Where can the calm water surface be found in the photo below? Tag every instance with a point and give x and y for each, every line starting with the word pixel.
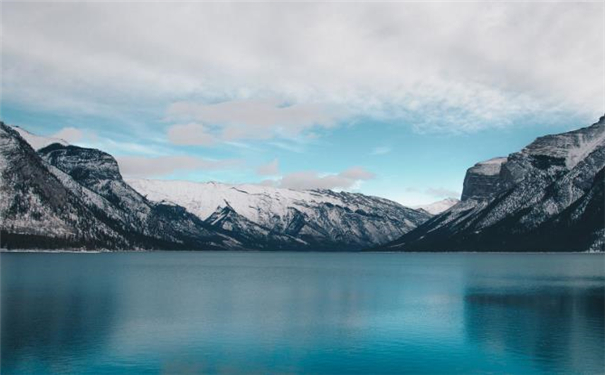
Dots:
pixel 302 313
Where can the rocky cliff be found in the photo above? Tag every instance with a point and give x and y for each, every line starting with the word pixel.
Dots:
pixel 546 197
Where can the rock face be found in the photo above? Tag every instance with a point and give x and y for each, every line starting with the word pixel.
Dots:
pixel 126 210
pixel 71 197
pixel 547 197
pixel 284 218
pixel 483 179
pixel 38 209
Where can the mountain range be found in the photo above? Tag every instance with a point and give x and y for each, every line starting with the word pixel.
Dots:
pixel 64 196
pixel 546 197
pixel 284 218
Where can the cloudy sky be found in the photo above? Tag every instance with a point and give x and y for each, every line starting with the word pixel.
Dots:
pixel 388 99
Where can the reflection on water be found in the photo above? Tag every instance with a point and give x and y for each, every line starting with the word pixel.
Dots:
pixel 43 310
pixel 292 313
pixel 553 326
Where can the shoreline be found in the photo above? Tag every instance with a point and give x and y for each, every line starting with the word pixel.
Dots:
pixel 27 251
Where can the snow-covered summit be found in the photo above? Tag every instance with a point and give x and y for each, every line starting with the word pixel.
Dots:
pixel 322 217
pixel 255 202
pixel 488 167
pixel 482 179
pixel 439 206
pixel 37 141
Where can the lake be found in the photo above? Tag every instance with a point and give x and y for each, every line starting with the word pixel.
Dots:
pixel 302 313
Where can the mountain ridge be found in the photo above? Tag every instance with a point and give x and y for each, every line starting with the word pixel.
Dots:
pixel 532 200
pixel 438 207
pixel 110 214
pixel 546 197
pixel 320 218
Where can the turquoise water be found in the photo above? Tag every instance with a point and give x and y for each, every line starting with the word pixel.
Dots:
pixel 302 313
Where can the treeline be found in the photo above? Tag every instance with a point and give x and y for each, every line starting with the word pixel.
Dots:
pixel 13 241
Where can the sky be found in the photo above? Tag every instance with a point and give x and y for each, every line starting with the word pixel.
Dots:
pixel 389 99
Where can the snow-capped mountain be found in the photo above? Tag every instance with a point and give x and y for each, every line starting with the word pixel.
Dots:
pixel 64 196
pixel 317 219
pixel 37 208
pixel 439 206
pixel 128 211
pixel 547 197
pixel 71 197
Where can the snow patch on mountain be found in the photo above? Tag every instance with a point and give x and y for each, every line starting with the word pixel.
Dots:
pixel 584 148
pixel 572 147
pixel 489 167
pixel 255 202
pixel 37 141
pixel 439 206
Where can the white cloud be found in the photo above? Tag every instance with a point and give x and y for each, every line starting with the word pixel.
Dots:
pixel 71 135
pixel 124 148
pixel 442 192
pixel 288 145
pixel 248 119
pixel 347 179
pixel 458 66
pixel 357 173
pixel 269 182
pixel 90 139
pixel 141 166
pixel 191 134
pixel 270 169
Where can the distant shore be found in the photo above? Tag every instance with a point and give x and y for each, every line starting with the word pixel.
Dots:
pixel 71 251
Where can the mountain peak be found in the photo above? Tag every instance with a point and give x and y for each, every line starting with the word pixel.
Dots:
pixel 438 207
pixel 483 179
pixel 87 165
pixel 320 218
